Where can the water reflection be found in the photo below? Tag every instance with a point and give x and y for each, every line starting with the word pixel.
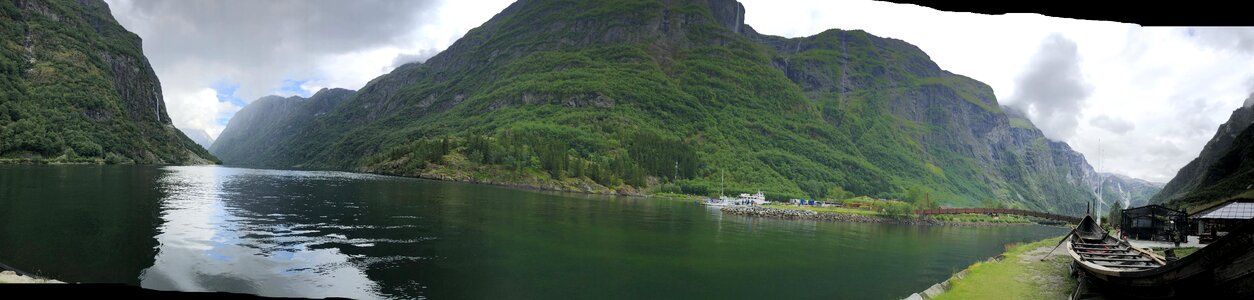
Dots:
pixel 262 232
pixel 79 223
pixel 323 234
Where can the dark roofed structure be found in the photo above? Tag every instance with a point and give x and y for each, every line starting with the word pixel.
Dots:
pixel 1154 223
pixel 1215 222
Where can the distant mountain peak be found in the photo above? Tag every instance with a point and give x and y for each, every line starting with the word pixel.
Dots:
pixel 254 128
pixel 200 136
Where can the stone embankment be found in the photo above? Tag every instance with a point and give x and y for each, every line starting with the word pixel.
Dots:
pixel 801 214
pixel 798 214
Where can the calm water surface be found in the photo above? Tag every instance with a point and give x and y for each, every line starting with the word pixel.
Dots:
pixel 320 234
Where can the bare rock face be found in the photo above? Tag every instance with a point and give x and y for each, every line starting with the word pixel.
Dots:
pixel 729 14
pixel 137 86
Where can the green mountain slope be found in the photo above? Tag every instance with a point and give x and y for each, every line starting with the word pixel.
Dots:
pixel 673 96
pixel 76 88
pixel 1222 171
pixel 254 128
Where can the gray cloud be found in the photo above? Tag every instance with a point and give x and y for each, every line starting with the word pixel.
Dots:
pixel 1200 117
pixel 261 43
pixel 1052 90
pixel 1224 38
pixel 1112 124
pixel 405 58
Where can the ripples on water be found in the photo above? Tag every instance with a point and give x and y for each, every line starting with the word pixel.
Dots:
pixel 323 234
pixel 269 232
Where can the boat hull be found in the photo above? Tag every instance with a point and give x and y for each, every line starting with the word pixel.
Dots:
pixel 1222 270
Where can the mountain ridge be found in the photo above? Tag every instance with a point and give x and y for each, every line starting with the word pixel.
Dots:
pixel 653 96
pixel 253 128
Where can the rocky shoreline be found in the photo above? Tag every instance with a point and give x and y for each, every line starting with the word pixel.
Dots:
pixel 797 214
pixel 13 277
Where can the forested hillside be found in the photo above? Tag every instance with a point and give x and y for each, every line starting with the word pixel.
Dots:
pixel 677 96
pixel 75 87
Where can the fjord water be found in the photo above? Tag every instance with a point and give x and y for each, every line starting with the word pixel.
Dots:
pixel 320 234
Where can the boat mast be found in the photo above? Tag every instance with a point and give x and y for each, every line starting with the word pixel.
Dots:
pixel 1101 186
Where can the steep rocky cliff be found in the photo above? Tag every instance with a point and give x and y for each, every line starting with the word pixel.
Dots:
pixel 77 88
pixel 1222 170
pixel 255 127
pixel 616 96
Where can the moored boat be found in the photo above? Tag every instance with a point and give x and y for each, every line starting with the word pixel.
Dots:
pixel 1222 270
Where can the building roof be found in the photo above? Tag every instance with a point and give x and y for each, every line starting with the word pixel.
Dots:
pixel 1153 210
pixel 1230 210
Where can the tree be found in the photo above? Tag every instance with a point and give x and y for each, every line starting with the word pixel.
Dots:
pixel 1112 217
pixel 914 194
pixel 897 209
pixel 927 202
pixel 836 192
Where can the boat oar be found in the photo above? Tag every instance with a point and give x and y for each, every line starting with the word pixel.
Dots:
pixel 1064 239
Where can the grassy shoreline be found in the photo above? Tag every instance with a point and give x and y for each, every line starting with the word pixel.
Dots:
pixel 1026 271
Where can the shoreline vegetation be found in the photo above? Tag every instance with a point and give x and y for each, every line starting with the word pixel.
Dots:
pixel 860 209
pixel 876 210
pixel 78 160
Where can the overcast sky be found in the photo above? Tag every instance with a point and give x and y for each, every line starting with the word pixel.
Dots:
pixel 1152 96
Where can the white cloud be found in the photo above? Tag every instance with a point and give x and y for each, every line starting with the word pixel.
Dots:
pixel 1112 124
pixel 199 110
pixel 1051 90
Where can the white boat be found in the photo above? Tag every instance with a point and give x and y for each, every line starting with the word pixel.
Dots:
pixel 720 201
pixel 744 199
pixel 754 199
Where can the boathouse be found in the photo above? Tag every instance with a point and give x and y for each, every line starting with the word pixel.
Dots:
pixel 1216 221
pixel 1153 223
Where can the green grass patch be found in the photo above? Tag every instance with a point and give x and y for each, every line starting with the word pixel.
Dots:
pixel 982 218
pixel 1180 252
pixel 675 196
pixel 1021 275
pixel 1021 123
